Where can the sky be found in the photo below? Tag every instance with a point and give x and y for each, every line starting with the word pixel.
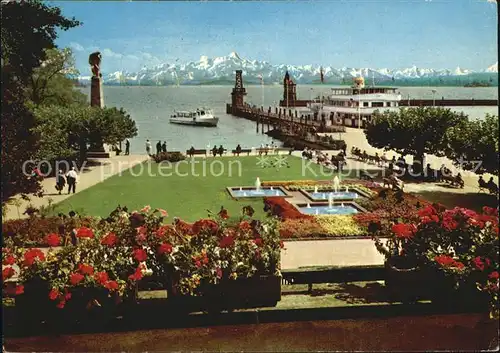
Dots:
pixel 439 34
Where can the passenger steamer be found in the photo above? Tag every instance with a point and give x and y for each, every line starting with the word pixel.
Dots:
pixel 200 117
pixel 354 106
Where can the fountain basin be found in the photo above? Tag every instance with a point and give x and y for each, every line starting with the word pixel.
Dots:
pixel 322 195
pixel 337 209
pixel 240 192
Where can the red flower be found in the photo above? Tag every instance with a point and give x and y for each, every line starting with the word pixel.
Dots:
pixel 282 245
pixel 226 242
pixel 490 211
pixel 184 227
pixel 427 211
pixel 223 214
pixel 19 290
pixel 53 239
pixel 475 222
pixel 205 260
pixel 9 260
pixel 85 269
pixel 110 239
pixel 219 272
pixel 403 231
pixel 31 255
pixel 165 248
pixel 140 255
pixel 75 278
pixel 163 212
pixel 448 261
pixel 479 264
pixel 493 275
pixel 84 232
pixel 101 277
pixel 258 242
pixel 450 224
pixel 7 273
pixel 197 263
pixel 146 209
pixel 53 294
pixel 141 230
pixel 61 304
pixel 137 274
pixel 245 226
pixel 67 296
pixel 111 285
pixel 205 225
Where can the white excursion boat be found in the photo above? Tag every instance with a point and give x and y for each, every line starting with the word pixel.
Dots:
pixel 354 106
pixel 200 117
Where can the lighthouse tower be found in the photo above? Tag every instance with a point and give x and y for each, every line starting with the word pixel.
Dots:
pixel 239 92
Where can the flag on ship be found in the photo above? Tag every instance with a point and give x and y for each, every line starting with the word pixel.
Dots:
pixel 261 79
pixel 321 75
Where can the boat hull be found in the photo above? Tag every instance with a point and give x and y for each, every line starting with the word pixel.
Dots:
pixel 206 122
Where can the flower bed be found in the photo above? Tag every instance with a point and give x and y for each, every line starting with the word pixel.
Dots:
pixel 114 254
pixel 454 252
pixel 286 183
pixel 169 157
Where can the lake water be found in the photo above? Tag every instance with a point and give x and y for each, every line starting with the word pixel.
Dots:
pixel 151 107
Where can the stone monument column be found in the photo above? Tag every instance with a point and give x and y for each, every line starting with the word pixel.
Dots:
pixel 96 100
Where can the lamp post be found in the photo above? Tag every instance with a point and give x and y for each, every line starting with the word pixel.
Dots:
pixel 434 97
pixel 359 109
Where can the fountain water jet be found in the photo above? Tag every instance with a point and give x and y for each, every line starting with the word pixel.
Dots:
pixel 336 183
pixel 257 184
pixel 316 189
pixel 317 212
pixel 330 200
pixel 308 205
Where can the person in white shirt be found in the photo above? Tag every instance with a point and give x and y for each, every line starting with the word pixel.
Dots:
pixel 71 178
pixel 148 147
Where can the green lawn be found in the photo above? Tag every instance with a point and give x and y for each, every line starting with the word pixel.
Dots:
pixel 190 190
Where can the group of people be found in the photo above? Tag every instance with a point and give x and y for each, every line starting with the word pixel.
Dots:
pixel 71 178
pixel 490 185
pixel 323 158
pixel 160 147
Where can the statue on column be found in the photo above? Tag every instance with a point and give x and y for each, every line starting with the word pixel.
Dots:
pixel 95 64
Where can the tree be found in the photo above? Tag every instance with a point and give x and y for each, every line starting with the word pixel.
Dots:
pixel 63 130
pixel 473 145
pixel 53 81
pixel 413 131
pixel 28 28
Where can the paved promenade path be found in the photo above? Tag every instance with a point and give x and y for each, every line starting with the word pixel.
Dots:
pixel 91 175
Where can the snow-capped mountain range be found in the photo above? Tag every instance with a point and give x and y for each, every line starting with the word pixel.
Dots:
pixel 222 70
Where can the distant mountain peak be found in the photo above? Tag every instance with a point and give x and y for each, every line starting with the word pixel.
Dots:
pixel 222 70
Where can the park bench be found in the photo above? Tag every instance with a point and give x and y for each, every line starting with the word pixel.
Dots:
pixel 192 153
pixel 283 149
pixel 247 151
pixel 262 150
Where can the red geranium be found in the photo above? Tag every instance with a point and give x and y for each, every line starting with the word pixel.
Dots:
pixel 137 276
pixel 111 285
pixel 75 278
pixel 61 304
pixel 226 242
pixel 7 273
pixel 258 241
pixel 33 254
pixel 402 230
pixel 84 232
pixel 101 277
pixel 480 264
pixel 427 211
pixel 19 290
pixel 85 269
pixel 53 294
pixel 448 261
pixel 245 226
pixel 9 260
pixel 165 248
pixel 140 255
pixel 493 275
pixel 223 213
pixel 53 239
pixel 205 225
pixel 110 239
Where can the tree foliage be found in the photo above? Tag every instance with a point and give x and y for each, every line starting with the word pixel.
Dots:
pixel 28 28
pixel 53 81
pixel 474 144
pixel 63 130
pixel 413 131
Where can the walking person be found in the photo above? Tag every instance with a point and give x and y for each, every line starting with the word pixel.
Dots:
pixel 148 147
pixel 71 178
pixel 60 181
pixel 127 147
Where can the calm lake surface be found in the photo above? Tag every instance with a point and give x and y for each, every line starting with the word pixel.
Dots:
pixel 151 107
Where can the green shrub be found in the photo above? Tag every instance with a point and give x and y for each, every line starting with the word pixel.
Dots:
pixel 169 157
